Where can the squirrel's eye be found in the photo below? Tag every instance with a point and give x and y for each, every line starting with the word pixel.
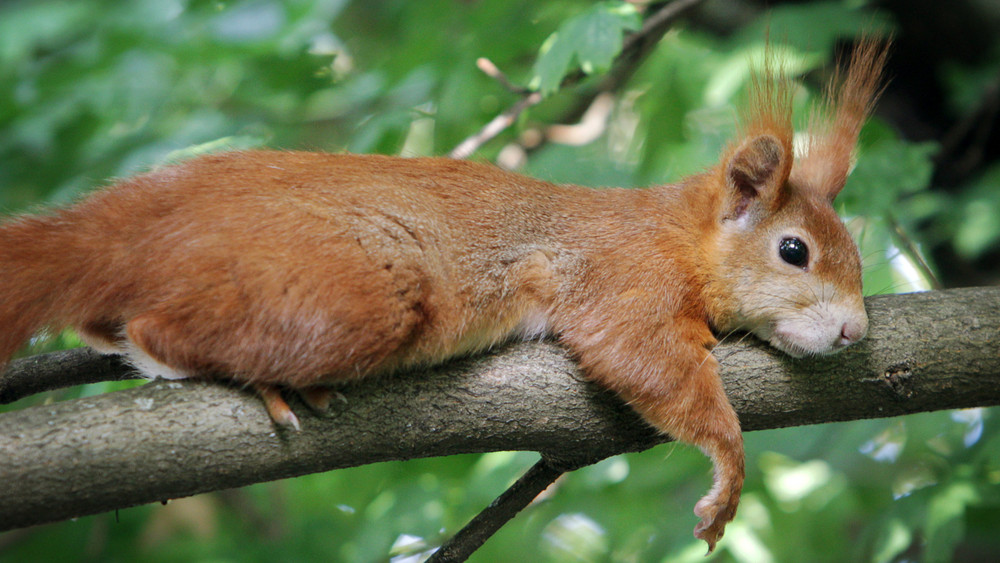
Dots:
pixel 794 251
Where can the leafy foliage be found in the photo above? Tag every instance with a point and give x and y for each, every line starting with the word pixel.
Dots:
pixel 593 38
pixel 93 89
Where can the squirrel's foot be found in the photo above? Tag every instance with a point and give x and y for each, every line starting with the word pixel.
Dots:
pixel 276 406
pixel 317 398
pixel 715 509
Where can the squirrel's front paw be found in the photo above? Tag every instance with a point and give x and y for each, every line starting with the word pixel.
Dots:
pixel 715 513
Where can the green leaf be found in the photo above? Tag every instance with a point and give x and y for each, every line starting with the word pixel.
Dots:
pixel 593 38
pixel 946 520
pixel 885 171
pixel 974 223
pixel 893 539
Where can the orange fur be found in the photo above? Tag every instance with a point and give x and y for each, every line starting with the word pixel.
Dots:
pixel 305 269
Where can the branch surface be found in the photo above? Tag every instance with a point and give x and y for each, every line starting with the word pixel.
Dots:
pixel 163 440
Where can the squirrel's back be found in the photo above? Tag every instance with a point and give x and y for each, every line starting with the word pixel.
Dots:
pixel 307 265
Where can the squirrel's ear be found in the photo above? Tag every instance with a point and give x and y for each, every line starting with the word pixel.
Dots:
pixel 755 174
pixel 834 128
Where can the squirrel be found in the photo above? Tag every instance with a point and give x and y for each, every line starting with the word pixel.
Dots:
pixel 300 270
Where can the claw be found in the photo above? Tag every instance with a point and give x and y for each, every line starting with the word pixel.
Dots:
pixel 715 514
pixel 317 398
pixel 276 406
pixel 706 530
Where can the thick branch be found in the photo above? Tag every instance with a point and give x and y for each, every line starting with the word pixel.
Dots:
pixel 165 440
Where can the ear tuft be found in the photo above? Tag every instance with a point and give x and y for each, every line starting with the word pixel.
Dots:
pixel 755 174
pixel 835 125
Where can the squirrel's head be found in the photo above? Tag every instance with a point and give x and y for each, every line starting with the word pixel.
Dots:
pixel 785 265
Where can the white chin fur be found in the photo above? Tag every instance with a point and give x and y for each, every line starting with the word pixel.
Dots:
pixel 792 346
pixel 797 349
pixel 810 336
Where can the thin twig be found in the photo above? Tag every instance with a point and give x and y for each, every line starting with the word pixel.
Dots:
pixel 635 47
pixel 490 69
pixel 495 126
pixel 658 22
pixel 499 512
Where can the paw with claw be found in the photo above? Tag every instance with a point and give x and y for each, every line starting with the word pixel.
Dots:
pixel 715 510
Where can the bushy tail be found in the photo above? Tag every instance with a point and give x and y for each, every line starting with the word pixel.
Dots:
pixel 39 264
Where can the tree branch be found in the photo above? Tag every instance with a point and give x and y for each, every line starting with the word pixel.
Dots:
pixel 926 351
pixel 47 372
pixel 519 495
pixel 635 47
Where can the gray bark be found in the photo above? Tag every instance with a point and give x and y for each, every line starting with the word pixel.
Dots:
pixel 166 440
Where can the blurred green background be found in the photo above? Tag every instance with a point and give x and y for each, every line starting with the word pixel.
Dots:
pixel 91 90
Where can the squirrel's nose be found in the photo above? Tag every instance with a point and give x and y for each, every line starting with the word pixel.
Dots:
pixel 851 333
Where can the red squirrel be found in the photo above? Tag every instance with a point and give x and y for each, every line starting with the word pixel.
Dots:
pixel 301 270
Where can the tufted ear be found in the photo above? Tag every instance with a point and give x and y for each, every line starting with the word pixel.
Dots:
pixel 834 128
pixel 756 173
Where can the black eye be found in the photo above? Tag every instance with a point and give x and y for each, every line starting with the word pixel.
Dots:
pixel 794 251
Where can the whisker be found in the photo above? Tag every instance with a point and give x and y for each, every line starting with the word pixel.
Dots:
pixel 723 338
pixel 746 335
pixel 891 288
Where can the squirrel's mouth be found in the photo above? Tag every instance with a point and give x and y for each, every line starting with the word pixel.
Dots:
pixel 816 330
pixel 798 349
pixel 799 341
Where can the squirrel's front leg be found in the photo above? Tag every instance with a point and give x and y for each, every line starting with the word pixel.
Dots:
pixel 670 377
pixel 694 409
